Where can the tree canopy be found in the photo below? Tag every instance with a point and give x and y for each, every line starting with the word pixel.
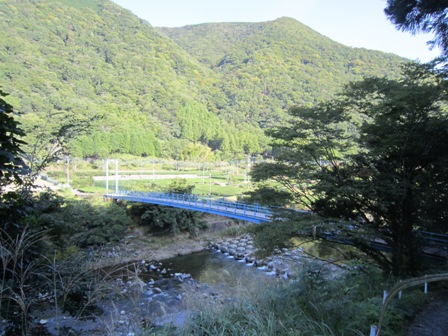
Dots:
pixel 371 165
pixel 12 166
pixel 427 16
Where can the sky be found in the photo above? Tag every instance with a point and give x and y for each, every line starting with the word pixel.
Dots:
pixel 354 23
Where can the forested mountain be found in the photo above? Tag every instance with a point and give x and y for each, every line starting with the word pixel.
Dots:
pixel 190 92
pixel 270 66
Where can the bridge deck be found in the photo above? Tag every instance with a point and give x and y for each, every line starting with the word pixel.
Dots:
pixel 237 210
pixel 435 244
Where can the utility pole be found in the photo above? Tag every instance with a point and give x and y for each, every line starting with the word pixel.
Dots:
pixel 116 176
pixel 153 171
pixel 210 175
pixel 248 168
pixel 67 170
pixel 107 175
pixel 203 173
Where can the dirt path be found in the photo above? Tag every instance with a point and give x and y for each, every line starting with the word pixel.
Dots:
pixel 433 319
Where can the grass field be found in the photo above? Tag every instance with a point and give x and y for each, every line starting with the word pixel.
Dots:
pixel 222 180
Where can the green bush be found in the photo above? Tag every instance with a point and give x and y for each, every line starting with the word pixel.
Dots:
pixel 85 223
pixel 167 220
pixel 180 186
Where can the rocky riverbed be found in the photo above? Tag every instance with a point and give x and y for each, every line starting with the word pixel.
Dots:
pixel 151 293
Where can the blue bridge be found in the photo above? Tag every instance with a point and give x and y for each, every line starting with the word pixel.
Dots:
pixel 222 207
pixel 436 244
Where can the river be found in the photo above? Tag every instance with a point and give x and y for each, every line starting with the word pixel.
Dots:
pixel 160 293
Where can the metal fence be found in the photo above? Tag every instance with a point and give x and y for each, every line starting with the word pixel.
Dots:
pixel 238 210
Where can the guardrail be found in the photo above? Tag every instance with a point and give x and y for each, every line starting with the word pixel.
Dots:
pixel 397 290
pixel 436 239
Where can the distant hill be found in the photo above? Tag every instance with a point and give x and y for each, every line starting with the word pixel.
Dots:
pixel 269 66
pixel 189 92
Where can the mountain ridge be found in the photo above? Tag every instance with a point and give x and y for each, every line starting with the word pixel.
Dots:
pixel 283 49
pixel 167 92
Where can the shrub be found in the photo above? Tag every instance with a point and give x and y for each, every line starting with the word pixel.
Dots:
pixel 167 220
pixel 82 223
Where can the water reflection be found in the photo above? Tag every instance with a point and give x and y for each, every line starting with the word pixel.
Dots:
pixel 323 249
pixel 211 267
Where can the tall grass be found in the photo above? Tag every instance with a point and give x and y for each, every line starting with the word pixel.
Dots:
pixel 18 270
pixel 30 280
pixel 269 311
pixel 317 304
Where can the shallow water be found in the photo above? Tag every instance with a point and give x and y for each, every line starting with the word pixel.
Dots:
pixel 213 267
pixel 179 283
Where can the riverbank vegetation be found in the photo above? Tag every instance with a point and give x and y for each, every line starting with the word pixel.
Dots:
pixel 318 304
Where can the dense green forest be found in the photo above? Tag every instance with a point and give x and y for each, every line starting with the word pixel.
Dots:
pixel 198 92
pixel 268 67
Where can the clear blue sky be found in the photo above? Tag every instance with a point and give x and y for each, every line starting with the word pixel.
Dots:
pixel 354 23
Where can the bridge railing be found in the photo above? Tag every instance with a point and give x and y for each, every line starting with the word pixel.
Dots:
pixel 435 239
pixel 196 201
